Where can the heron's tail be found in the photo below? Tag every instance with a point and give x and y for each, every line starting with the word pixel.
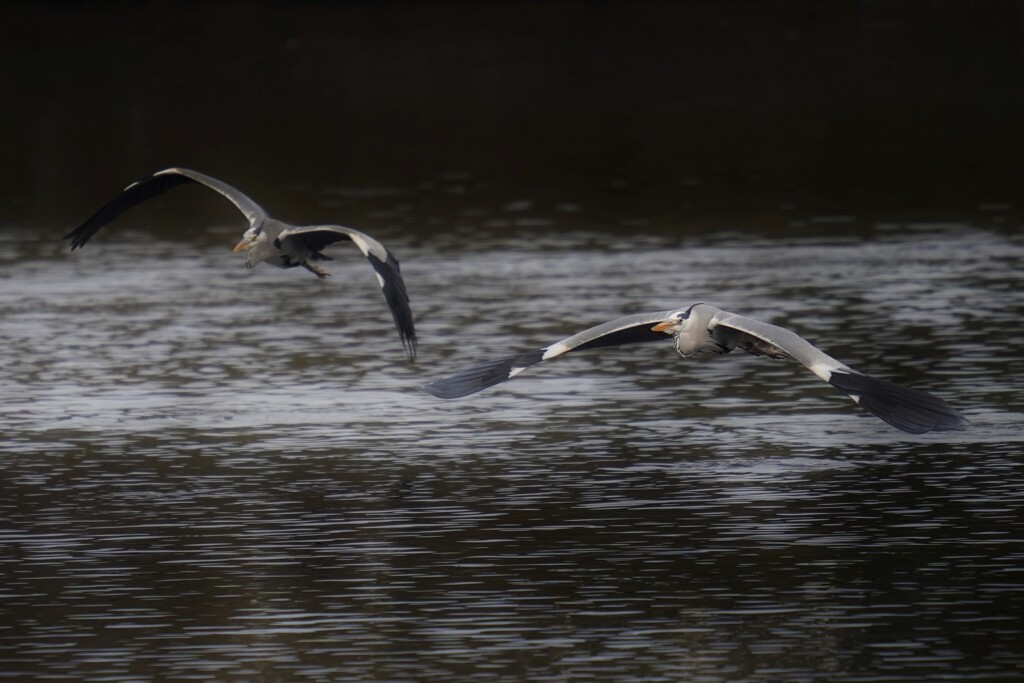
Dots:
pixel 911 410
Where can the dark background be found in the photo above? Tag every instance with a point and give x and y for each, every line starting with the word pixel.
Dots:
pixel 686 114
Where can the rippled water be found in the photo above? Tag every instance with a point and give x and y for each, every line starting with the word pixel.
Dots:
pixel 210 473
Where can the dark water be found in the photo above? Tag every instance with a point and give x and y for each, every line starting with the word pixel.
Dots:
pixel 212 474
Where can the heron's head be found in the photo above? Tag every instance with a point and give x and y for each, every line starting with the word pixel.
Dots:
pixel 252 238
pixel 249 239
pixel 675 322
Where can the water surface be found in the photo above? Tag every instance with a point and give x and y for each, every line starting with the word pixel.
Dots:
pixel 211 473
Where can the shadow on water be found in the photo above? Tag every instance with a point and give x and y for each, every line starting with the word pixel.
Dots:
pixel 195 484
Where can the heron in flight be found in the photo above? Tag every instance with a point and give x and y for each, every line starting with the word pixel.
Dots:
pixel 269 240
pixel 703 329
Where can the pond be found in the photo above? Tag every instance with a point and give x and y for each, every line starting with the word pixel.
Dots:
pixel 213 473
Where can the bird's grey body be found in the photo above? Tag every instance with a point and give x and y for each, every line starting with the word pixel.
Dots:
pixel 268 240
pixel 711 330
pixel 704 329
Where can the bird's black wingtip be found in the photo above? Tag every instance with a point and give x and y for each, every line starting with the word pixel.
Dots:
pixel 437 390
pixel 452 387
pixel 134 194
pixel 409 344
pixel 398 301
pixel 480 377
pixel 910 410
pixel 77 240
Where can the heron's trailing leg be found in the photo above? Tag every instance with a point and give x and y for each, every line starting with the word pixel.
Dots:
pixel 316 270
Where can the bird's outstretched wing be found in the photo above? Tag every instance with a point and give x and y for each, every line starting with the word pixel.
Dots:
pixel 628 330
pixel 911 410
pixel 384 263
pixel 156 184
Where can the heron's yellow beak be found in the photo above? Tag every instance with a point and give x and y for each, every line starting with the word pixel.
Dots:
pixel 662 327
pixel 244 244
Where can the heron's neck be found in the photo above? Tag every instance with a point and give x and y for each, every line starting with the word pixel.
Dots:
pixel 695 337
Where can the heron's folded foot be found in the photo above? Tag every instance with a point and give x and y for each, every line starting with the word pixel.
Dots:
pixel 316 270
pixel 762 348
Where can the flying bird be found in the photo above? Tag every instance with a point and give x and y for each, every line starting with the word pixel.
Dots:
pixel 268 240
pixel 704 329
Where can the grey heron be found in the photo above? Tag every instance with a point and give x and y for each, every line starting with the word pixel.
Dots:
pixel 269 240
pixel 704 329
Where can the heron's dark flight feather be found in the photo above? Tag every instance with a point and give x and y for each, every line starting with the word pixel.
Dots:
pixel 397 298
pixel 131 196
pixel 911 410
pixel 472 380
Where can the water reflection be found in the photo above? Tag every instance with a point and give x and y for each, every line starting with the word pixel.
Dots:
pixel 196 484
